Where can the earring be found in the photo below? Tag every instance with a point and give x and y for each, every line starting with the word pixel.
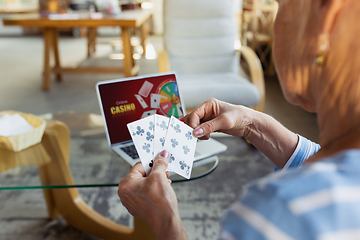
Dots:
pixel 319 60
pixel 323 43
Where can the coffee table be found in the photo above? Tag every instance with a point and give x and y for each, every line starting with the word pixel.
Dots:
pixel 63 167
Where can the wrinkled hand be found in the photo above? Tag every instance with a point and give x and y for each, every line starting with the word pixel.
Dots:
pixel 152 198
pixel 217 116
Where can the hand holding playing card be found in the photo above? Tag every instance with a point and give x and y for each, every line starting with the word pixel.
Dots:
pixel 152 198
pixel 156 133
pixel 217 116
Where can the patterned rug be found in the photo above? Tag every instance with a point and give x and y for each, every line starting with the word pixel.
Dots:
pixel 202 202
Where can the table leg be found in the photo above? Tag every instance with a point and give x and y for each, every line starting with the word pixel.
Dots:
pixel 68 201
pixel 127 51
pixel 144 35
pixel 47 48
pixel 55 37
pixel 91 40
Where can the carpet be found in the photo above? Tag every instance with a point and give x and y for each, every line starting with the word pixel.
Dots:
pixel 202 202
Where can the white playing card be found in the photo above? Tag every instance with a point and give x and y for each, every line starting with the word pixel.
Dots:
pixel 161 127
pixel 146 88
pixel 180 110
pixel 155 100
pixel 148 113
pixel 142 134
pixel 181 144
pixel 141 101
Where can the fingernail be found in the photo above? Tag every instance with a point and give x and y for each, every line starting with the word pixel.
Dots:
pixel 198 132
pixel 164 154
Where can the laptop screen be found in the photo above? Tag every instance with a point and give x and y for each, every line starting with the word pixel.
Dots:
pixel 129 99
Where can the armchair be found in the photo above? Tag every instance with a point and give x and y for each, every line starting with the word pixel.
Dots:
pixel 199 39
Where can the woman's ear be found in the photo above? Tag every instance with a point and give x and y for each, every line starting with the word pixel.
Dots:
pixel 328 11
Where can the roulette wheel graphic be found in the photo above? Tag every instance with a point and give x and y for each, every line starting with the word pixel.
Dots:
pixel 170 104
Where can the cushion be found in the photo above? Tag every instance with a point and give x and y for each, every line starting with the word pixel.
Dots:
pixel 200 27
pixel 228 87
pixel 188 47
pixel 205 64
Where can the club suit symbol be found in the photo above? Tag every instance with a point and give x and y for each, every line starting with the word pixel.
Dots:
pixel 149 136
pixel 177 128
pixel 163 125
pixel 172 158
pixel 139 131
pixel 151 127
pixel 146 147
pixel 174 143
pixel 162 140
pixel 188 135
pixel 186 149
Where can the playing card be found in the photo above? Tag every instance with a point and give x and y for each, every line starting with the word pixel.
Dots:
pixel 142 134
pixel 180 110
pixel 155 100
pixel 146 88
pixel 181 144
pixel 161 127
pixel 148 113
pixel 141 101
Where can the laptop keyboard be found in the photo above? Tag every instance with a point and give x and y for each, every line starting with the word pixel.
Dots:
pixel 131 151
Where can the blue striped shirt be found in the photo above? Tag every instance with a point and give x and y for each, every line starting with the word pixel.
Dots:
pixel 316 201
pixel 304 150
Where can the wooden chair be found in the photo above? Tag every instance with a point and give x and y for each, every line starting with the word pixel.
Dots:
pixel 199 38
pixel 257 30
pixel 52 158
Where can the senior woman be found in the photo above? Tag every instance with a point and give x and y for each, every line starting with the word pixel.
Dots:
pixel 317 57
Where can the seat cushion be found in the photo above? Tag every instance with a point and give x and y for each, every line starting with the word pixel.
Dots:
pixel 200 27
pixel 228 87
pixel 205 64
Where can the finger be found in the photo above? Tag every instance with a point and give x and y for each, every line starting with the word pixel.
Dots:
pixel 201 113
pixel 161 162
pixel 169 180
pixel 168 174
pixel 138 169
pixel 204 129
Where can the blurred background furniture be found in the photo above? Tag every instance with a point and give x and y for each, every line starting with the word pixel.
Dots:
pixel 257 30
pixel 126 21
pixel 9 7
pixel 137 35
pixel 199 39
pixel 19 6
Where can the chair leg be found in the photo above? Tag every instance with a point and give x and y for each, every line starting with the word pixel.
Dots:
pixel 256 74
pixel 68 201
pixel 53 212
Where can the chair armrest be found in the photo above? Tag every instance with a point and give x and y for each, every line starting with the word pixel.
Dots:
pixel 256 74
pixel 163 62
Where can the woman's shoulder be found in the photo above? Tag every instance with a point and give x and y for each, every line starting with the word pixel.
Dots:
pixel 340 169
pixel 300 203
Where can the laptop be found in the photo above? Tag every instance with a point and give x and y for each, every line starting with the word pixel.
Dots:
pixel 129 99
